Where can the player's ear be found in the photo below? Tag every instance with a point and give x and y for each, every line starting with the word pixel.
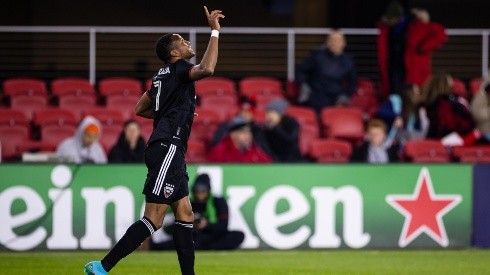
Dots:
pixel 174 53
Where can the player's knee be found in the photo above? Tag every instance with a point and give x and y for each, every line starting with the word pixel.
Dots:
pixel 185 215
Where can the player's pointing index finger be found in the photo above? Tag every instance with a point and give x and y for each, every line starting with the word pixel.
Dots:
pixel 206 10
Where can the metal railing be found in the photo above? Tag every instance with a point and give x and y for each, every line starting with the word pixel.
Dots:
pixel 192 32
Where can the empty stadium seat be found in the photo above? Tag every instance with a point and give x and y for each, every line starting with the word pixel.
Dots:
pixel 72 86
pixel 473 154
pixel 307 133
pixel 146 126
pixel 366 87
pixel 14 130
pixel 303 115
pixel 251 86
pixel 196 152
pixel 55 116
pixel 215 86
pixel 55 125
pixel 343 123
pixel 77 104
pixel 24 86
pixel 120 85
pixel 205 124
pixel 225 106
pixel 366 103
pixel 28 104
pixel 330 151
pixel 106 116
pixel 125 104
pixel 426 151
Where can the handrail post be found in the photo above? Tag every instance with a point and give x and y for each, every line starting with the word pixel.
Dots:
pixel 291 54
pixel 92 56
pixel 484 55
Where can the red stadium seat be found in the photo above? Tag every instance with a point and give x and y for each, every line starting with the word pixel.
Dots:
pixel 120 86
pixel 72 86
pixel 106 116
pixel 24 86
pixel 125 104
pixel 331 151
pixel 14 130
pixel 205 125
pixel 77 104
pixel 146 126
pixel 196 152
pixel 109 136
pixel 308 133
pixel 219 86
pixel 475 84
pixel 148 84
pixel 473 154
pixel 13 117
pixel 55 125
pixel 28 104
pixel 426 151
pixel 55 116
pixel 225 106
pixel 367 104
pixel 251 86
pixel 459 88
pixel 343 123
pixel 303 115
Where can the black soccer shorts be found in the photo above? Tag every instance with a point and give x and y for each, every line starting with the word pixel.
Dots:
pixel 167 180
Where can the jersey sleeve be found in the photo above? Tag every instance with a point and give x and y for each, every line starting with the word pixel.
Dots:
pixel 183 69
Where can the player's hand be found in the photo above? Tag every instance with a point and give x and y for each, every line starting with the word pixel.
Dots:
pixel 213 18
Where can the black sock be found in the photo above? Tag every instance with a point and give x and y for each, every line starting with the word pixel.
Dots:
pixel 184 246
pixel 131 240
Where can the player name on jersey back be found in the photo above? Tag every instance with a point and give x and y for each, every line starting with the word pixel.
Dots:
pixel 165 70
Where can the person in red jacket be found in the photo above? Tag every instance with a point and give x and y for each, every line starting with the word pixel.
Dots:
pixel 238 146
pixel 405 46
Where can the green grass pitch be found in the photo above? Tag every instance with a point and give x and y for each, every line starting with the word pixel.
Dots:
pixel 261 262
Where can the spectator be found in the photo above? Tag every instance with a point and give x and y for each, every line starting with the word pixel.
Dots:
pixel 282 132
pixel 83 147
pixel 377 148
pixel 130 146
pixel 405 44
pixel 480 108
pixel 210 220
pixel 247 112
pixel 328 75
pixel 449 115
pixel 401 113
pixel 238 146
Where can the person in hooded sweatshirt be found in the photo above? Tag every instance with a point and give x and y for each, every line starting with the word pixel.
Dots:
pixel 130 147
pixel 83 147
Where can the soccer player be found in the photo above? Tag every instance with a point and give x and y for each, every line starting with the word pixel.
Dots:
pixel 170 103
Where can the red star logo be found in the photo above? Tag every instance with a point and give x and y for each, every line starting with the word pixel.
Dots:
pixel 423 211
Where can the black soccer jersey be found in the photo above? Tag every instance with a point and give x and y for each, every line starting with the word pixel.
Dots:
pixel 174 101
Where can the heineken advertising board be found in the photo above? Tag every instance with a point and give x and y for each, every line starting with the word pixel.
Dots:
pixel 60 207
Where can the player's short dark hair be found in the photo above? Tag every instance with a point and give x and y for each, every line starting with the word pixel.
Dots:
pixel 163 47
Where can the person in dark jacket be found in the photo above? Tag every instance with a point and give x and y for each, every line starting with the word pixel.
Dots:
pixel 130 146
pixel 282 132
pixel 210 220
pixel 328 75
pixel 377 148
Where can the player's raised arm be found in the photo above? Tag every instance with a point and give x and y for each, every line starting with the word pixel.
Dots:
pixel 208 61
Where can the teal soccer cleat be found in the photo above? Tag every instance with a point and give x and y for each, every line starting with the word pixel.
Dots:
pixel 94 268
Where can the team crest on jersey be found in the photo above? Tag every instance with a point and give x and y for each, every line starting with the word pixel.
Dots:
pixel 168 190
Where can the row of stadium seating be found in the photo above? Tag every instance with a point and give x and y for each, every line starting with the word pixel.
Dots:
pixel 31 122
